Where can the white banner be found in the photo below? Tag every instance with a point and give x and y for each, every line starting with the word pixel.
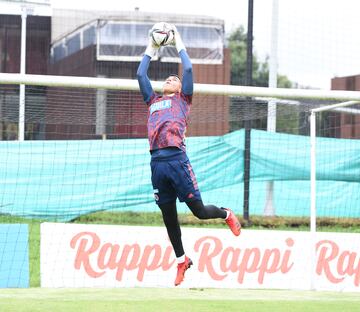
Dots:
pixel 75 255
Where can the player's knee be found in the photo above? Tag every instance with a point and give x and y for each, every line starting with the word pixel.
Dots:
pixel 201 214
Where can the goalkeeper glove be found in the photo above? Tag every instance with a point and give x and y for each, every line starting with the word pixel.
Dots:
pixel 151 48
pixel 177 40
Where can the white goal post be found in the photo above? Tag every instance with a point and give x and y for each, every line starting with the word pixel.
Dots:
pixel 313 155
pixel 313 174
pixel 209 89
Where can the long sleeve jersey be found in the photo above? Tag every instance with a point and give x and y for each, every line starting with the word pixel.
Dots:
pixel 167 115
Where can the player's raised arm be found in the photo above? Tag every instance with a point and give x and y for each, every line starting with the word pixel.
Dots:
pixel 187 75
pixel 142 77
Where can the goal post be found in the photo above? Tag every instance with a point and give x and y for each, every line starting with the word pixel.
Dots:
pixel 313 154
pixel 313 127
pixel 77 108
pixel 209 89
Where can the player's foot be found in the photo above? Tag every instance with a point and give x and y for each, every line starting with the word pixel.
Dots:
pixel 233 222
pixel 181 268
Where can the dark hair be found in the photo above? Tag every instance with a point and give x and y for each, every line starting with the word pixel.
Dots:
pixel 175 75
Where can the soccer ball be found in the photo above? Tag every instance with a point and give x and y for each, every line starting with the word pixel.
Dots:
pixel 162 34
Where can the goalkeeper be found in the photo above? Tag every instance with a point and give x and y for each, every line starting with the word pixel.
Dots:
pixel 171 173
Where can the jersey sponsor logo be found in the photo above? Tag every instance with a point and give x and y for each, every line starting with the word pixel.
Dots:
pixel 156 194
pixel 157 106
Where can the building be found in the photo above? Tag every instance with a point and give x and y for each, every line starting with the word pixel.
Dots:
pixel 109 44
pixel 346 125
pixel 38 38
pixel 103 44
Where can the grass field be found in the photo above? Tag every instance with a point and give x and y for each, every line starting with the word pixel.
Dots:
pixel 170 299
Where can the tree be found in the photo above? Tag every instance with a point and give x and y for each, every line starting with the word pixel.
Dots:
pixel 237 45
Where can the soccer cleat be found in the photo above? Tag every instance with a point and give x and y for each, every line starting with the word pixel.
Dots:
pixel 181 268
pixel 233 222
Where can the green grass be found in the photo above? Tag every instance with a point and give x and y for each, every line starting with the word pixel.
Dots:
pixel 155 219
pixel 170 299
pixel 256 222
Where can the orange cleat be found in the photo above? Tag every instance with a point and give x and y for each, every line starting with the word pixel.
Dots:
pixel 181 269
pixel 233 222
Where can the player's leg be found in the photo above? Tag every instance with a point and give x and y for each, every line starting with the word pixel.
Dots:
pixel 203 212
pixel 171 222
pixel 165 197
pixel 186 186
pixel 170 217
pixel 211 212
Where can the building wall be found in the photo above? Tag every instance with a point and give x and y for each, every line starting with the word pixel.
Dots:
pixel 10 30
pixel 210 113
pixel 126 113
pixel 37 44
pixel 37 55
pixel 349 123
pixel 81 63
pixel 71 114
pixel 350 126
pixel 349 83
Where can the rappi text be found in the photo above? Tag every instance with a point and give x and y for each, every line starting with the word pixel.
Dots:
pixel 96 258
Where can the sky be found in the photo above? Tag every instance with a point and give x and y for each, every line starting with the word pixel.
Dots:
pixel 317 39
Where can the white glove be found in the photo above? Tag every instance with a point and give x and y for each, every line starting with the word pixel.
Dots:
pixel 151 48
pixel 177 40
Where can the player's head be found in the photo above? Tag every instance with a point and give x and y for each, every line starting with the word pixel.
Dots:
pixel 172 85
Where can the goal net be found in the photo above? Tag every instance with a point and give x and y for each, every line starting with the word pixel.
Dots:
pixel 86 148
pixel 85 151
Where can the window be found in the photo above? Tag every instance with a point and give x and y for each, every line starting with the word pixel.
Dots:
pixel 89 36
pixel 73 44
pixel 59 52
pixel 127 42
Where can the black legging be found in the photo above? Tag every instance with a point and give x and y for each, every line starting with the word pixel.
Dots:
pixel 171 221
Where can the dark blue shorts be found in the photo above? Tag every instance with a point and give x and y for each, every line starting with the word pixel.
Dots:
pixel 172 177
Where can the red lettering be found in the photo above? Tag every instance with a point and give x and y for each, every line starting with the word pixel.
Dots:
pixel 83 253
pixel 285 267
pixel 268 266
pixel 95 257
pixel 89 252
pixel 249 263
pixel 346 262
pixel 124 264
pixel 106 256
pixel 229 259
pixel 206 257
pixel 166 264
pixel 326 255
pixel 233 254
pixel 144 262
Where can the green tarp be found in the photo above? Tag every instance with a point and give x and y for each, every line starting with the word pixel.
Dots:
pixel 60 180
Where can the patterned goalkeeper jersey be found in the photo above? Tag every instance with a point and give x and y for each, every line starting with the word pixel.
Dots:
pixel 167 115
pixel 167 120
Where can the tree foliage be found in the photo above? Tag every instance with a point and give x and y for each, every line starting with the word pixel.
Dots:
pixel 237 43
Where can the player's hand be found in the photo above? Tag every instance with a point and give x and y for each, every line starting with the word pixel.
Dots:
pixel 177 42
pixel 152 47
pixel 173 28
pixel 174 31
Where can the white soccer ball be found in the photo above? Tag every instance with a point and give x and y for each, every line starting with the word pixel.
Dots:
pixel 162 34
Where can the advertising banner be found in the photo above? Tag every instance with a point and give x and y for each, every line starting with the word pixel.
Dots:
pixel 14 256
pixel 75 255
